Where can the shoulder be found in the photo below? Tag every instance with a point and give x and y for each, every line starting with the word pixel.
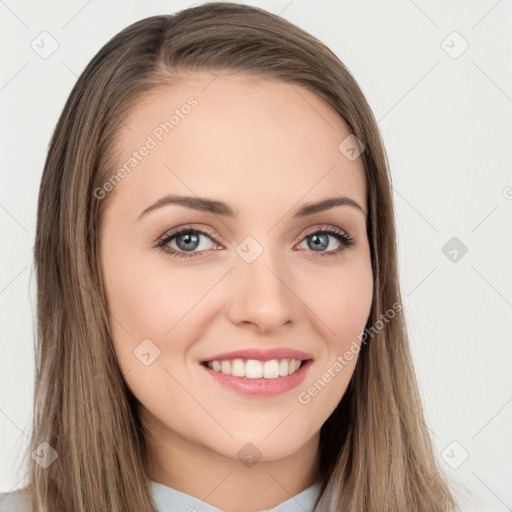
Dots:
pixel 14 501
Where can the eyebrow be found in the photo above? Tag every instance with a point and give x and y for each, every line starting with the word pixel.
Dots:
pixel 220 208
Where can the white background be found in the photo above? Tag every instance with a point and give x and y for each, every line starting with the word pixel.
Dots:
pixel 447 126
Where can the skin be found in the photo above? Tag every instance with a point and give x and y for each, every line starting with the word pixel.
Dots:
pixel 265 148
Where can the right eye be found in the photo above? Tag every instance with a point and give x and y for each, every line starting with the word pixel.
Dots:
pixel 186 241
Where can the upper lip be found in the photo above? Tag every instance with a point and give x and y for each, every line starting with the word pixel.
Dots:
pixel 261 355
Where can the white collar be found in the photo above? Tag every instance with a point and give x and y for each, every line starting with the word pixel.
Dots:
pixel 168 499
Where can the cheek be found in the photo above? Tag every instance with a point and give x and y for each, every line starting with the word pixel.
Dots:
pixel 140 305
pixel 148 301
pixel 341 301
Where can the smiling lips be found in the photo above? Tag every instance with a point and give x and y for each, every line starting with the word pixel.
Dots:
pixel 257 363
pixel 254 369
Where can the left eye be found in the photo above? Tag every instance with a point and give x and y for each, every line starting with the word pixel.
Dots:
pixel 188 240
pixel 320 240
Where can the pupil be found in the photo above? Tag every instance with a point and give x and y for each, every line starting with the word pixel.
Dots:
pixel 188 239
pixel 320 244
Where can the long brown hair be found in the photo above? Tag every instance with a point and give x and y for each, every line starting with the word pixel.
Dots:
pixel 376 451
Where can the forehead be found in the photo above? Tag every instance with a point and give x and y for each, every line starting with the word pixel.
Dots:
pixel 235 137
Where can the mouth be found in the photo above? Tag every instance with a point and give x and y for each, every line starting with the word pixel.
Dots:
pixel 257 378
pixel 258 372
pixel 255 368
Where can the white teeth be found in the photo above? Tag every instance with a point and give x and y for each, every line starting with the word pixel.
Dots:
pixel 255 369
pixel 237 368
pixel 271 369
pixel 225 367
pixel 293 365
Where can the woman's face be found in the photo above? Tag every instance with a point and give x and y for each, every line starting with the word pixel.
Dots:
pixel 260 276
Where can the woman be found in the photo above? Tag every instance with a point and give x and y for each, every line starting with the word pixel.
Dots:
pixel 219 314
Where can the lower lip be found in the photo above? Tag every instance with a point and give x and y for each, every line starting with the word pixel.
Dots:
pixel 261 387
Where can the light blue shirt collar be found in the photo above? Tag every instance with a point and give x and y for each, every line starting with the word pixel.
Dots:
pixel 168 499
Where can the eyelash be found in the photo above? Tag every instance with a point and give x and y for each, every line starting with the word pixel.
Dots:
pixel 345 240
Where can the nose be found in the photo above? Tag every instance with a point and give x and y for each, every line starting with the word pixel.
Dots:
pixel 263 294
